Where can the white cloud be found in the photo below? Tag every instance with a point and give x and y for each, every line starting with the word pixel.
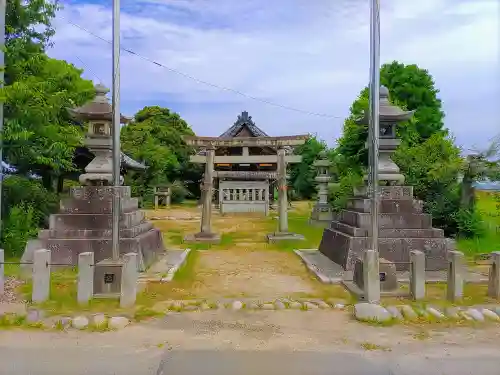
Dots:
pixel 309 55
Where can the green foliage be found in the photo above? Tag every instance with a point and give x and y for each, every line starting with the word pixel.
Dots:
pixel 302 174
pixel 156 137
pixel 19 226
pixel 469 223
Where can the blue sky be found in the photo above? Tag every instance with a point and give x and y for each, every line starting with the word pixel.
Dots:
pixel 309 55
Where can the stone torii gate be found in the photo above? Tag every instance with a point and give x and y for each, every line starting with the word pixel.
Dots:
pixel 281 159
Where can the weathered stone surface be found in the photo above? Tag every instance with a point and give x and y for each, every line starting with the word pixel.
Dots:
pixel 118 322
pixel 475 314
pixel 279 305
pixel 409 313
pixel 403 228
pixel 395 313
pixel 80 322
pixel 237 305
pixel 488 314
pixel 371 312
pixel 295 305
pixel 452 312
pixel 98 320
pixel 435 313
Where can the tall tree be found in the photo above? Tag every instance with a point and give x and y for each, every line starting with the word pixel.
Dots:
pixel 156 137
pixel 39 135
pixel 302 174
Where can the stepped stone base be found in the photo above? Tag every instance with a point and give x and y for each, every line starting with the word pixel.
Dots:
pixel 403 227
pixel 284 236
pixel 84 223
pixel 321 215
pixel 203 237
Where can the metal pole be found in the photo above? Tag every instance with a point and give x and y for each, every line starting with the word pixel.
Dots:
pixel 3 5
pixel 116 130
pixel 374 117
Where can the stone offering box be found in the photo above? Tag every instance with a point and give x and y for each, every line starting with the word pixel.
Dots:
pixel 403 227
pixel 84 224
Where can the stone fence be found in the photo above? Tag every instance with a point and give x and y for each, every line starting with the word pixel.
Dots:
pixel 41 274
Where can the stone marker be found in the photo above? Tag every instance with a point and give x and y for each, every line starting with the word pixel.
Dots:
pixel 455 281
pixel 2 272
pixel 128 293
pixel 371 277
pixel 494 276
pixel 85 287
pixel 371 312
pixel 417 275
pixel 41 275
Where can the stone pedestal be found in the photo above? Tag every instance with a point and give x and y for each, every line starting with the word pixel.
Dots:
pixel 403 227
pixel 322 213
pixel 83 224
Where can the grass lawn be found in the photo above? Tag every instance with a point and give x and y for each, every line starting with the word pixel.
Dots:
pixel 491 215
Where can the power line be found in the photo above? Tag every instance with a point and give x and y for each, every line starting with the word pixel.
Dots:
pixel 188 76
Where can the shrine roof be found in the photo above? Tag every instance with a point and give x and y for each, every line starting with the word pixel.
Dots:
pixel 243 120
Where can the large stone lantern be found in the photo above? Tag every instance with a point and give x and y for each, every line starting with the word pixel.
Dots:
pixel 390 117
pixel 322 212
pixel 98 115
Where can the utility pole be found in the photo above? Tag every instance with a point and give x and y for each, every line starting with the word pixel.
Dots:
pixel 373 129
pixel 3 6
pixel 116 122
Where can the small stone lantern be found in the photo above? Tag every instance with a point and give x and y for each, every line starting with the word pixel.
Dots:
pixel 322 212
pixel 389 117
pixel 98 115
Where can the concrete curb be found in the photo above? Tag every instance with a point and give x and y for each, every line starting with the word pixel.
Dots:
pixel 172 271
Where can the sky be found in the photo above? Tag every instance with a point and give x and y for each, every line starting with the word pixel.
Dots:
pixel 309 57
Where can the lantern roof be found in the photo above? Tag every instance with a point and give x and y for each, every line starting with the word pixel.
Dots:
pixel 387 111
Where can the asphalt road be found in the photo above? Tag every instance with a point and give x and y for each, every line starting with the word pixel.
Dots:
pixel 115 361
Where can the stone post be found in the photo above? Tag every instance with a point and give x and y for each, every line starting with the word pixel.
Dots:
pixel 371 276
pixel 494 277
pixel 417 275
pixel 206 220
pixel 85 287
pixel 169 197
pixel 205 234
pixel 157 199
pixel 282 192
pixel 2 272
pixel 129 280
pixel 41 275
pixel 322 212
pixel 455 282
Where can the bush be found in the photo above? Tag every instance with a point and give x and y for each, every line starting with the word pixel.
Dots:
pixel 469 223
pixel 19 226
pixel 179 192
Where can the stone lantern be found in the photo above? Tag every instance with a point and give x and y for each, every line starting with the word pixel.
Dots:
pixel 322 212
pixel 98 115
pixel 390 116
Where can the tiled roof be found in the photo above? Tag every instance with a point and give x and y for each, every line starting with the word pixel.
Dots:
pixel 241 121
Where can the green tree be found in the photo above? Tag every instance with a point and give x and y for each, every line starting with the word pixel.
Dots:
pixel 302 174
pixel 39 135
pixel 156 137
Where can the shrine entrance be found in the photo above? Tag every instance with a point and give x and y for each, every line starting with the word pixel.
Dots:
pixel 244 196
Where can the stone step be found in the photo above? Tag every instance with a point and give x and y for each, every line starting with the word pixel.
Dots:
pixel 94 206
pixel 387 221
pixel 388 233
pixel 94 221
pixel 148 245
pixel 98 192
pixel 344 249
pixel 387 205
pixel 94 233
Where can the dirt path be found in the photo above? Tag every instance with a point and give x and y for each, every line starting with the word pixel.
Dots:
pixel 244 264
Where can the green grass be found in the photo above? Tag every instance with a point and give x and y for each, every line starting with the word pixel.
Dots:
pixel 491 216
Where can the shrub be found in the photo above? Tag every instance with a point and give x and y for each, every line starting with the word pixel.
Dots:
pixel 19 225
pixel 469 223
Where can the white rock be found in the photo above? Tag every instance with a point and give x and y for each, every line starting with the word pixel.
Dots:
pixel 98 320
pixel 118 322
pixel 295 305
pixel 279 305
pixel 490 315
pixel 408 312
pixel 475 314
pixel 435 313
pixel 80 322
pixel 371 312
pixel 267 306
pixel 322 304
pixel 237 305
pixel 395 313
pixel 452 312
